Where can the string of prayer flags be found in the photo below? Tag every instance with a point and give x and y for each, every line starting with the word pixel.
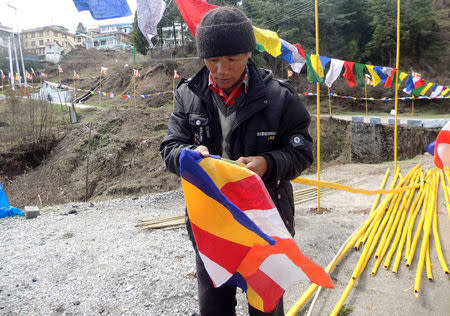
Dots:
pixel 334 71
pixel 427 87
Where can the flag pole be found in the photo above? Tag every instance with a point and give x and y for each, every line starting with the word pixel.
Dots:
pixel 365 96
pixel 173 92
pixel 135 95
pixel 397 61
pixel 329 100
pixel 316 11
pixel 100 91
pixel 412 105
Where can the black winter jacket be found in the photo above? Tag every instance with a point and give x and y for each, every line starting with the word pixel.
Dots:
pixel 272 122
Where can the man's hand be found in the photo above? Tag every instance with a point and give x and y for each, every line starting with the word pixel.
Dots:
pixel 257 164
pixel 203 150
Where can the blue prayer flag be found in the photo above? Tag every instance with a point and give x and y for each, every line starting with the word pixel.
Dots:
pixel 104 9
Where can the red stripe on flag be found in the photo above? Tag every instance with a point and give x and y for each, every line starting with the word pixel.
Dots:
pixel 247 194
pixel 442 138
pixel 269 291
pixel 225 253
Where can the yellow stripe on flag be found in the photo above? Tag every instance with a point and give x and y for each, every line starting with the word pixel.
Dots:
pixel 445 92
pixel 219 221
pixel 375 78
pixel 269 40
pixel 222 172
pixel 429 85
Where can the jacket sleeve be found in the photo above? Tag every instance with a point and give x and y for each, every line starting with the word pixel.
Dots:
pixel 178 136
pixel 293 150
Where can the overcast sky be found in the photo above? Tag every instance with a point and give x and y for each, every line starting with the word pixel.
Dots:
pixel 35 13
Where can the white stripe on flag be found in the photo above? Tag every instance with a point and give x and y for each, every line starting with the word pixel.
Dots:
pixel 269 221
pixel 216 272
pixel 334 71
pixel 282 270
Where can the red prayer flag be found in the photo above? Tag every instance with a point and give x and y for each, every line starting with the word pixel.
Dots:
pixel 348 74
pixel 193 12
pixel 388 82
pixel 300 49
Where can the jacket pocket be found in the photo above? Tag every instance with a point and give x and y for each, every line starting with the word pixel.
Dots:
pixel 198 122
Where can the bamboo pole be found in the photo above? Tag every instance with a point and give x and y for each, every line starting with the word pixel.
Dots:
pixel 329 101
pixel 437 241
pixel 100 91
pixel 135 95
pixel 365 97
pixel 316 13
pixel 397 62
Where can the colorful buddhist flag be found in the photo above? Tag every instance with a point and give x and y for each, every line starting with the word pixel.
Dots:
pixel 442 148
pixel 76 75
pixel 447 89
pixel 136 73
pixel 390 77
pixel 317 66
pixel 239 233
pixel 102 10
pixel 290 73
pixel 175 74
pixel 28 75
pixel 291 54
pixel 368 80
pixel 348 74
pixel 43 74
pixel 380 73
pixel 193 11
pixel 375 78
pixel 428 86
pixel 312 76
pixel 269 40
pixel 334 71
pixel 103 70
pixel 437 90
pixel 359 69
pixel 2 75
pixel 32 71
pixel 149 14
pixel 60 69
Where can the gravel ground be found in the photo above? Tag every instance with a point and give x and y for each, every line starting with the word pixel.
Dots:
pixel 91 259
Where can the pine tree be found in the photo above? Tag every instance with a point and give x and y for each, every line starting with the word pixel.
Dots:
pixel 138 39
pixel 81 29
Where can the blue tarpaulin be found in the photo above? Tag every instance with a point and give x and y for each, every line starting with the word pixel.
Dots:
pixel 104 9
pixel 5 208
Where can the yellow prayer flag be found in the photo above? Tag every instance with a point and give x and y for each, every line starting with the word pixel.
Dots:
pixel 269 40
pixel 375 78
pixel 315 61
pixel 429 85
pixel 445 92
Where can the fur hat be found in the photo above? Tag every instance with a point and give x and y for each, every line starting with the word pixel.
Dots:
pixel 224 31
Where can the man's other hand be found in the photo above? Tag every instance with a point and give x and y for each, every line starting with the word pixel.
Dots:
pixel 203 150
pixel 257 164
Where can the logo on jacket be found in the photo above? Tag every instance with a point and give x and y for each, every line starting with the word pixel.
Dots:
pixel 270 134
pixel 297 140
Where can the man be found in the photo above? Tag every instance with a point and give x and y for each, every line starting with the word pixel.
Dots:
pixel 233 109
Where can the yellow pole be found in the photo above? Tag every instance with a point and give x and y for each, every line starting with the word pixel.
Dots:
pixel 2 86
pixel 316 11
pixel 135 95
pixel 397 61
pixel 365 96
pixel 100 91
pixel 412 106
pixel 74 89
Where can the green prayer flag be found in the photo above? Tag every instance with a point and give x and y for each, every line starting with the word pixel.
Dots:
pixel 360 72
pixel 312 74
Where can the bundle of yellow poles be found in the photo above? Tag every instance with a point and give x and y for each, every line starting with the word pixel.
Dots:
pixel 388 233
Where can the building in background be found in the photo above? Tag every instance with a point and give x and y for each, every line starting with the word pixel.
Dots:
pixel 36 40
pixel 112 36
pixel 53 53
pixel 83 41
pixel 5 33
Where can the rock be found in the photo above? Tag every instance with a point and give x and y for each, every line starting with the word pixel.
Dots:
pixel 31 212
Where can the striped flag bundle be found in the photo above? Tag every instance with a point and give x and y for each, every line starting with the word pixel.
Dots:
pixel 28 75
pixel 76 75
pixel 2 75
pixel 136 73
pixel 103 70
pixel 239 233
pixel 60 69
